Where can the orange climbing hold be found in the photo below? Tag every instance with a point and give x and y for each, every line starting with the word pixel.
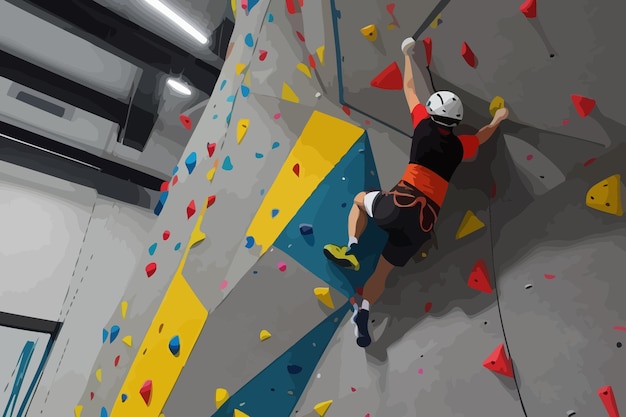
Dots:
pixel 428 46
pixel 151 269
pixel 191 209
pixel 608 399
pixel 529 8
pixel 498 362
pixel 311 61
pixel 146 391
pixel 479 278
pixel 389 79
pixel 296 170
pixel 584 105
pixel 468 55
pixel 210 200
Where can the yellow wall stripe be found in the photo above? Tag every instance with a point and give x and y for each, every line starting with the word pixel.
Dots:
pixel 322 144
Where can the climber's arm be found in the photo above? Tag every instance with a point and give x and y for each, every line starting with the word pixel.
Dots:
pixel 409 84
pixel 487 131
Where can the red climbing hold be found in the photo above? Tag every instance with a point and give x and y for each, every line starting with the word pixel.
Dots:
pixel 353 389
pixel 584 105
pixel 498 362
pixel 608 399
pixel 166 234
pixel 428 306
pixel 151 269
pixel 91 395
pixel 479 278
pixel 346 110
pixel 211 148
pixel 210 200
pixel 117 360
pixel 301 3
pixel 291 7
pixel 428 46
pixel 589 162
pixel 389 79
pixel 300 36
pixel 186 121
pixel 165 185
pixel 296 169
pixel 191 209
pixel 529 8
pixel 146 391
pixel 244 4
pixel 468 55
pixel 359 290
pixel 311 61
pixel 174 179
pixel 262 55
pixel 391 7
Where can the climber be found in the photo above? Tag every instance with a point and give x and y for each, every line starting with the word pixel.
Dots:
pixel 409 211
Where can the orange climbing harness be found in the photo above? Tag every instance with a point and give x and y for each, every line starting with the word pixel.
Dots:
pixel 427 181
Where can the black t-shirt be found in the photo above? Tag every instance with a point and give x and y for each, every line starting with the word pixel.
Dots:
pixel 441 153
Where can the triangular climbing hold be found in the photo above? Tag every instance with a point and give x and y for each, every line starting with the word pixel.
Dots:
pixel 469 224
pixel 239 67
pixel 174 345
pixel 606 196
pixel 296 169
pixel 428 47
pixel 78 410
pixel 190 162
pixel 221 396
pixel 242 128
pixel 197 236
pixel 304 69
pixel 322 408
pixel 146 391
pixel 289 95
pixel 496 103
pixel 186 121
pixel 210 174
pixel 608 400
pixel 370 32
pixel 191 209
pixel 124 309
pixel 529 8
pixel 479 278
pixel 320 54
pixel 210 200
pixel 210 147
pixel 435 23
pixel 128 341
pixel 468 55
pixel 239 413
pixel 389 79
pixel 323 294
pixel 264 335
pixel 584 105
pixel 498 362
pixel 99 374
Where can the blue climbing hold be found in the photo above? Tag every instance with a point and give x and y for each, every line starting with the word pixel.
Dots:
pixel 294 369
pixel 175 345
pixel 275 213
pixel 161 202
pixel 249 242
pixel 251 4
pixel 245 91
pixel 249 40
pixel 228 118
pixel 124 397
pixel 175 170
pixel 152 249
pixel 338 14
pixel 214 116
pixel 115 331
pixel 258 155
pixel 275 145
pixel 223 85
pixel 103 412
pixel 177 246
pixel 105 335
pixel 343 205
pixel 262 191
pixel 270 17
pixel 230 99
pixel 190 162
pixel 255 272
pixel 306 229
pixel 227 165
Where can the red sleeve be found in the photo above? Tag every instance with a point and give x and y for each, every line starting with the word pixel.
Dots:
pixel 470 145
pixel 418 114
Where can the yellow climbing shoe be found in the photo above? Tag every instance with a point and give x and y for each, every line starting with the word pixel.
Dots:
pixel 338 255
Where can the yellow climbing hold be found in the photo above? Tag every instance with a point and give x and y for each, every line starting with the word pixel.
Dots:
pixel 606 196
pixel 323 294
pixel 239 67
pixel 221 396
pixel 210 174
pixel 124 309
pixel 238 413
pixel 289 95
pixel 435 22
pixel 246 79
pixel 391 26
pixel 128 341
pixel 242 128
pixel 320 54
pixel 469 224
pixel 197 236
pixel 370 32
pixel 304 69
pixel 233 4
pixel 264 335
pixel 322 408
pixel 78 410
pixel 99 375
pixel 496 103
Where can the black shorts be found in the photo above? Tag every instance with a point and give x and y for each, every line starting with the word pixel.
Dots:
pixel 404 224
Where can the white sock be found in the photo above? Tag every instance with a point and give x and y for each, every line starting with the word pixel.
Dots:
pixel 351 241
pixel 365 305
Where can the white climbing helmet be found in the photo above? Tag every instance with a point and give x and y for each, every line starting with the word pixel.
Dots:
pixel 445 108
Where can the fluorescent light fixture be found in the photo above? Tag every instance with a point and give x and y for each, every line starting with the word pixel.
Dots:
pixel 178 20
pixel 179 86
